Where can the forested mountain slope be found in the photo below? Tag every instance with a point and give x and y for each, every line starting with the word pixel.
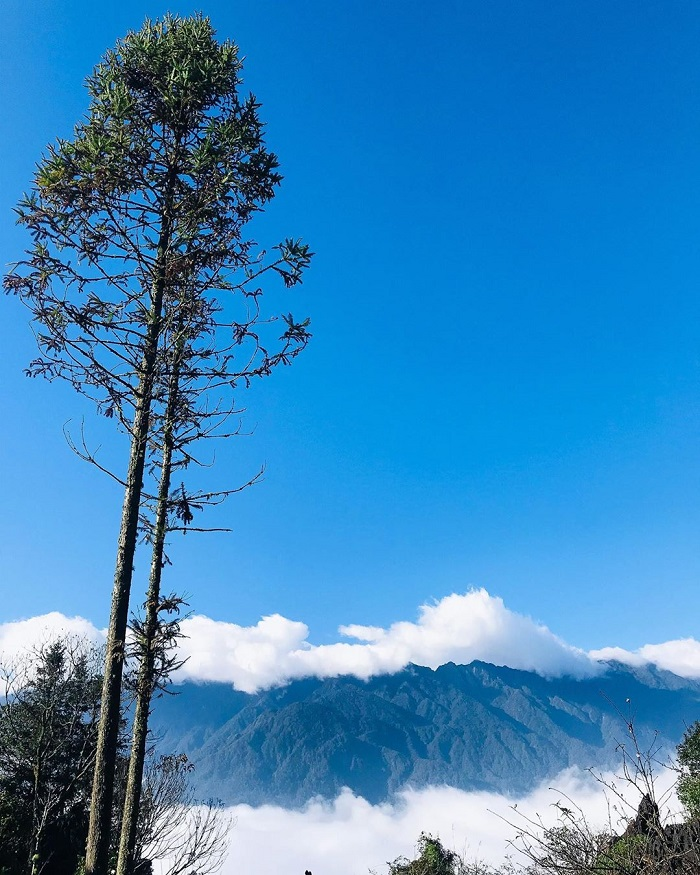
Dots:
pixel 475 727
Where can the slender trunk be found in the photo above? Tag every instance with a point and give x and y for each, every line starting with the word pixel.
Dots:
pixel 43 742
pixel 98 840
pixel 36 828
pixel 146 674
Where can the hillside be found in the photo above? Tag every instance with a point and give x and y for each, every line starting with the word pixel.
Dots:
pixel 475 727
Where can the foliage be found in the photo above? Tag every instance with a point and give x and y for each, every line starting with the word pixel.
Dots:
pixel 689 766
pixel 48 711
pixel 625 854
pixel 435 859
pixel 137 225
pixel 49 705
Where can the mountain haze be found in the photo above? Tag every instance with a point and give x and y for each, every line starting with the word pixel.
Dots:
pixel 473 727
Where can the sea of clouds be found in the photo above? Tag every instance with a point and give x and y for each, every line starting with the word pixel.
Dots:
pixel 458 628
pixel 348 836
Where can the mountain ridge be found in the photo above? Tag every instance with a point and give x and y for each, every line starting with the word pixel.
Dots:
pixel 474 727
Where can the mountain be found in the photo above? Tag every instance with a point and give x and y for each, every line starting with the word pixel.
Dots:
pixel 474 727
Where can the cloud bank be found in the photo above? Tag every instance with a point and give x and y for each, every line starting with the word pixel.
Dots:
pixel 681 656
pixel 459 628
pixel 22 635
pixel 348 836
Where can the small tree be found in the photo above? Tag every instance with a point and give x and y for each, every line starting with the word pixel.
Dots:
pixel 49 706
pixel 137 225
pixel 433 859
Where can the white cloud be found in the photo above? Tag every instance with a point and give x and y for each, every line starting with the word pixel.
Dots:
pixel 249 657
pixel 459 628
pixel 348 836
pixel 681 656
pixel 363 633
pixel 19 636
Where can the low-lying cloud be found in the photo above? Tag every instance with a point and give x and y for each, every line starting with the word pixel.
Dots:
pixel 459 628
pixel 348 836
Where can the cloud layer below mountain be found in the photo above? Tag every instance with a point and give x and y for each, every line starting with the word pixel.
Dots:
pixel 350 837
pixel 458 628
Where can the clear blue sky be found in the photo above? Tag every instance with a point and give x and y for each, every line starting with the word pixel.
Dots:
pixel 502 388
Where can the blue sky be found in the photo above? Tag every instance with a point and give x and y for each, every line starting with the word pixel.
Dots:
pixel 502 388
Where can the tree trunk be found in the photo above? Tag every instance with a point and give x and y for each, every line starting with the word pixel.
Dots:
pixel 146 675
pixel 98 841
pixel 36 829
